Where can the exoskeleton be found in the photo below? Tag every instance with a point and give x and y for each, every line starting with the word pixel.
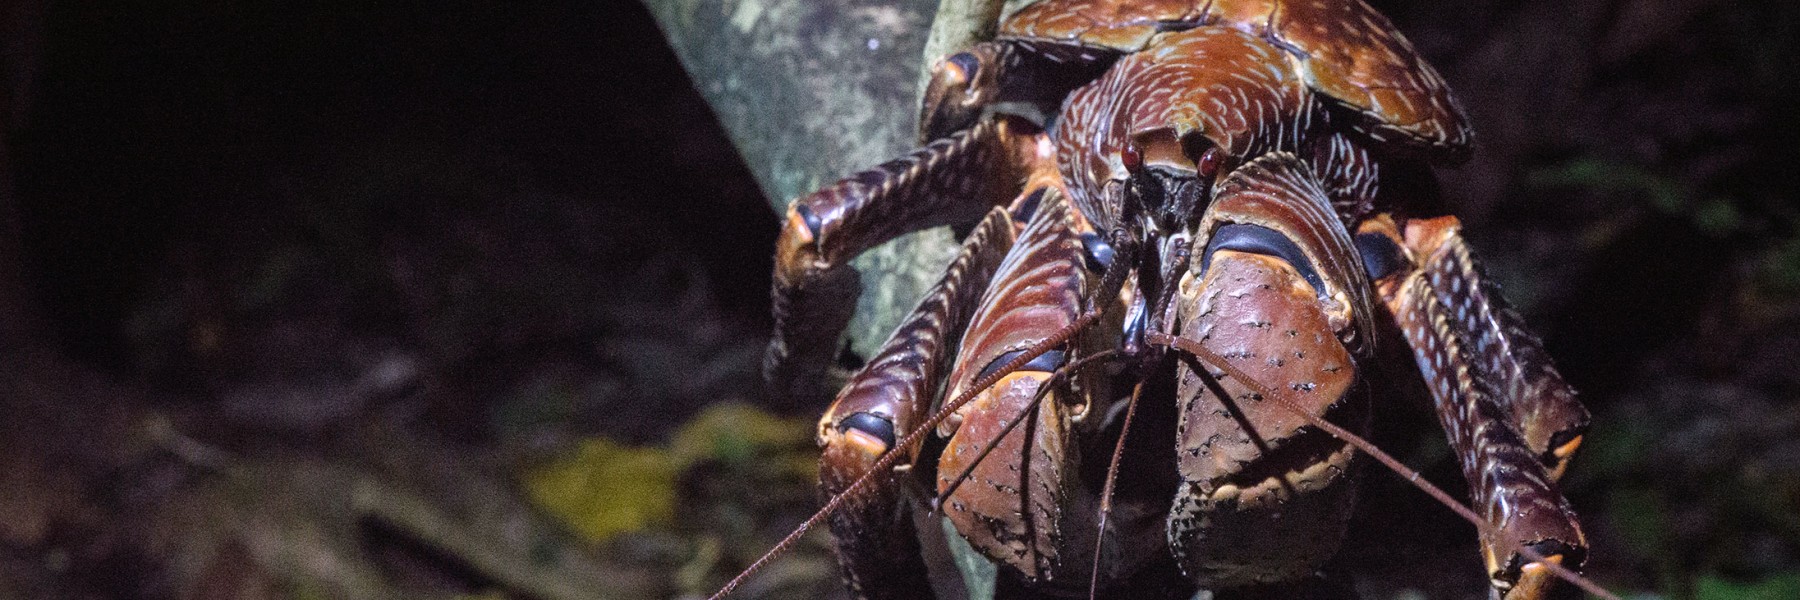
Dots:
pixel 1184 268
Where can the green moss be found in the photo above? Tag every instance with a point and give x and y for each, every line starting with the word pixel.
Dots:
pixel 1779 271
pixel 1663 193
pixel 742 436
pixel 604 488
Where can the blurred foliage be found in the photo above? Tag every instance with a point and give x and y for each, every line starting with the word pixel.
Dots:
pixel 603 488
pixel 1781 268
pixel 1779 587
pixel 744 436
pixel 1665 193
pixel 1714 215
pixel 1701 489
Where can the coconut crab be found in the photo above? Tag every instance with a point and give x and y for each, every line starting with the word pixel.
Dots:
pixel 1192 229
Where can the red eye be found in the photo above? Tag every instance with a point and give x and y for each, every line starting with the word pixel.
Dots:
pixel 1208 164
pixel 1132 157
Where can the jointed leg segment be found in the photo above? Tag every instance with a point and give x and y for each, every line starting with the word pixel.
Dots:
pixel 1542 406
pixel 877 546
pixel 950 181
pixel 1507 414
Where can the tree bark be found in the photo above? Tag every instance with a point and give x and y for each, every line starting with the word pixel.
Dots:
pixel 813 90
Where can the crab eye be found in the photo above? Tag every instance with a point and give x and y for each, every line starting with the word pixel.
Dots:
pixel 1208 163
pixel 1205 155
pixel 1132 157
pixel 967 64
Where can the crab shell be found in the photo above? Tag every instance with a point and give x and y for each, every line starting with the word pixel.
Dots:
pixel 1225 85
pixel 1342 49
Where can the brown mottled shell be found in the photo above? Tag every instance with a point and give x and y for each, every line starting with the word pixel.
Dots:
pixel 1212 81
pixel 1342 48
pixel 1265 502
pixel 1257 310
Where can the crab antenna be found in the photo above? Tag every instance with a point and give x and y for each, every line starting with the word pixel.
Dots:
pixel 893 454
pixel 1106 493
pixel 1201 352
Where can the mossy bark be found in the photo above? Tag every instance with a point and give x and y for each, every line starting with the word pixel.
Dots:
pixel 813 90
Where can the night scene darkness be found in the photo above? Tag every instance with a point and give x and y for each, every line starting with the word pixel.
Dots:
pixel 467 299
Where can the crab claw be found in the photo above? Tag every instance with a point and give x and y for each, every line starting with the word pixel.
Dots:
pixel 961 85
pixel 1536 581
pixel 809 310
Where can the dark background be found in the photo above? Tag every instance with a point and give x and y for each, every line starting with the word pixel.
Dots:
pixel 256 253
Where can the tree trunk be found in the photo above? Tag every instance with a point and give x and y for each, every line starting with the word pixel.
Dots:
pixel 813 90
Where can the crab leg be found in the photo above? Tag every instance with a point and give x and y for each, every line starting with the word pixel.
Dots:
pixel 1015 506
pixel 1017 72
pixel 1508 415
pixel 1540 405
pixel 950 181
pixel 877 546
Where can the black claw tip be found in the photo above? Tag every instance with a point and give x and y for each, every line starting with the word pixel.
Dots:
pixel 1380 255
pixel 871 424
pixel 1099 253
pixel 1256 239
pixel 970 65
pixel 1046 362
pixel 812 220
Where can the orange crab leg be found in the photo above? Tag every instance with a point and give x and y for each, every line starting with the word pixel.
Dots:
pixel 1507 413
pixel 950 181
pixel 877 546
pixel 1540 405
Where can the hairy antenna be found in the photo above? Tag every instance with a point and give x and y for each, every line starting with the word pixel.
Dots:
pixel 1106 493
